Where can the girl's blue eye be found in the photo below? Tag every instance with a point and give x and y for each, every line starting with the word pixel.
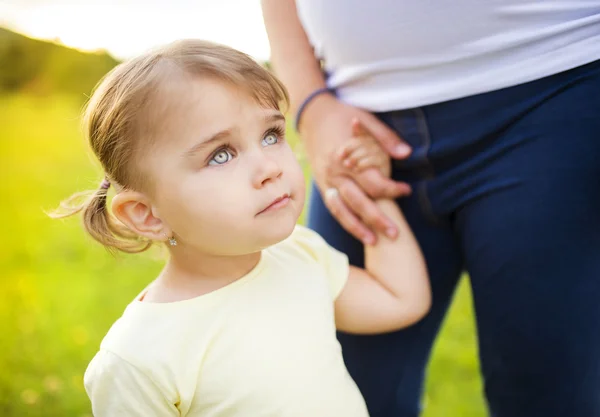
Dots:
pixel 221 157
pixel 270 139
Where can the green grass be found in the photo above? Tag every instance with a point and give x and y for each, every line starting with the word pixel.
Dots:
pixel 61 291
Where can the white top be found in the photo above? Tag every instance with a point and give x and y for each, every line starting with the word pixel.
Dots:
pixel 263 346
pixel 394 54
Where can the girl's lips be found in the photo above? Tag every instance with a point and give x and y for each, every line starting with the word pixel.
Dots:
pixel 277 204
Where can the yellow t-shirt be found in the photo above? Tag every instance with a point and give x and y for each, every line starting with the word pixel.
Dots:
pixel 263 346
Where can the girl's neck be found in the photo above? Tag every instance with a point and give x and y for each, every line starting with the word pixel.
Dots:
pixel 186 276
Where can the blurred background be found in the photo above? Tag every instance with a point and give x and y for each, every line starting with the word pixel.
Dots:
pixel 61 291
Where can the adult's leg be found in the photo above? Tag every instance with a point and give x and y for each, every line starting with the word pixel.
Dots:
pixel 531 237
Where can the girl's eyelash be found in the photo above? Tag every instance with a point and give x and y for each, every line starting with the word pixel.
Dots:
pixel 277 131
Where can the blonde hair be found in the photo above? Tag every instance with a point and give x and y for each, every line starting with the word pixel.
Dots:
pixel 118 130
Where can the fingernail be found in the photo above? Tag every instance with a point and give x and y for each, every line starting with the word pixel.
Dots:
pixel 368 240
pixel 391 233
pixel 402 187
pixel 402 149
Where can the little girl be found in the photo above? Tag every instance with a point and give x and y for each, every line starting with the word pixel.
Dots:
pixel 241 321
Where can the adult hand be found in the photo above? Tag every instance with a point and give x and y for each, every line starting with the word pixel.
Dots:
pixel 325 125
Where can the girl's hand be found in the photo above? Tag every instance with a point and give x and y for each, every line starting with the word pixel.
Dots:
pixel 363 151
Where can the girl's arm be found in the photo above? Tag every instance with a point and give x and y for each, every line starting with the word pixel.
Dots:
pixel 392 292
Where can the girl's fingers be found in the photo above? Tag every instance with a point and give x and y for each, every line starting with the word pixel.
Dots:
pixel 370 161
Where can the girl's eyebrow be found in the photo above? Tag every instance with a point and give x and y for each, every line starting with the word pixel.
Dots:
pixel 274 117
pixel 205 143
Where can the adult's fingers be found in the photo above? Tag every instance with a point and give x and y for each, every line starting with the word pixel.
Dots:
pixel 366 209
pixel 346 218
pixel 388 139
pixel 376 185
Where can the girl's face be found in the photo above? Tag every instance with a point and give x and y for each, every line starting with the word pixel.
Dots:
pixel 224 178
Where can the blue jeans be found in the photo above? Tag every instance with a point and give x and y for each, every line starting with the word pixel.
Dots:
pixel 506 185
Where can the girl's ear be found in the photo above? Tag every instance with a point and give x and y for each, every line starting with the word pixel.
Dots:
pixel 134 209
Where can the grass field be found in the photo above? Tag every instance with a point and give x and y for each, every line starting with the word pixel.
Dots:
pixel 61 292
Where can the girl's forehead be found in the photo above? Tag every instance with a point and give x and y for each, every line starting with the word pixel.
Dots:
pixel 207 108
pixel 210 91
pixel 193 105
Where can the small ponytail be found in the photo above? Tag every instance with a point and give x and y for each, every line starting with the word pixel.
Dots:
pixel 99 222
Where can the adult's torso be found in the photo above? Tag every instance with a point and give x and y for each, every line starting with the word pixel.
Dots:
pixel 393 54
